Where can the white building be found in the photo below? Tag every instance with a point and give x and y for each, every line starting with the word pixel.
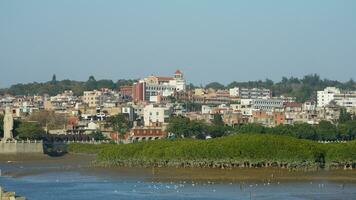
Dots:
pixel 130 111
pixel 205 109
pixel 154 86
pixel 234 92
pixel 250 93
pixel 309 106
pixel 268 104
pixel 329 94
pixel 325 96
pixel 156 114
pixel 244 107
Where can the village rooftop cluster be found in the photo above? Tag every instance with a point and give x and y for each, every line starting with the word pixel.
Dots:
pixel 150 103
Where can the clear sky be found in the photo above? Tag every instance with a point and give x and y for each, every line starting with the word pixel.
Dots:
pixel 209 40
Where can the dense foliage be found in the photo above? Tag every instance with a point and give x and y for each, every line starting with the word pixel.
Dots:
pixel 24 130
pixel 55 87
pixel 119 123
pixel 97 135
pixel 302 88
pixel 325 130
pixel 239 148
pixel 29 130
pixel 184 127
pixel 86 148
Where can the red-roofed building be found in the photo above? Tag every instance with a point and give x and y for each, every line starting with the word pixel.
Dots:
pixel 146 133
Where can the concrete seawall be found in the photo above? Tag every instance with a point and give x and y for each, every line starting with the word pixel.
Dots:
pixel 22 147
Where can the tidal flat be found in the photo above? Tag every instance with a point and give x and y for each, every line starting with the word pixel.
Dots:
pixel 73 177
pixel 22 165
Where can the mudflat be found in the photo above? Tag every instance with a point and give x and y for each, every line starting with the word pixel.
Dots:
pixel 22 165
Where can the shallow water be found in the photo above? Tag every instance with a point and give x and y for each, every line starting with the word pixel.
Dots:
pixel 75 185
pixel 69 180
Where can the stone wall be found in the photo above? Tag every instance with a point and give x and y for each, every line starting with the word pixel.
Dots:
pixel 14 147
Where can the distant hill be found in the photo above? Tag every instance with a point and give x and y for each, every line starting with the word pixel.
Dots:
pixel 302 88
pixel 54 87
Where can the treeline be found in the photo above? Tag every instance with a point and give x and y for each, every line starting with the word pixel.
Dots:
pixel 325 130
pixel 55 87
pixel 302 88
pixel 345 129
pixel 183 127
pixel 243 150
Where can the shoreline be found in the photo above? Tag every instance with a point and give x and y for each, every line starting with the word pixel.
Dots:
pixel 227 164
pixel 82 163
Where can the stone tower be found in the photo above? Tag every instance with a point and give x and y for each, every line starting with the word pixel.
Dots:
pixel 8 125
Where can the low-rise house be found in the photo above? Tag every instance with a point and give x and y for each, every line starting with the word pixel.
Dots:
pixel 268 118
pixel 233 119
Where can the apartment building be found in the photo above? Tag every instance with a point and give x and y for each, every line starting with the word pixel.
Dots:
pixel 250 93
pixel 268 104
pixel 345 99
pixel 93 98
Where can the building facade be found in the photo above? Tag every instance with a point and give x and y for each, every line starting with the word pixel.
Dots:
pixel 250 93
pixel 149 88
pixel 156 114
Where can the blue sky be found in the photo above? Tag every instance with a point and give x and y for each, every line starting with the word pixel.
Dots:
pixel 208 40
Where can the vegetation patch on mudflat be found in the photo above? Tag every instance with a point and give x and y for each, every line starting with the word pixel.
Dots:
pixel 241 150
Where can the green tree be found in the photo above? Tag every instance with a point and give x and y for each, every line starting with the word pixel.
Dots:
pixel 250 128
pixel 105 84
pixel 344 116
pixel 347 130
pixel 179 126
pixel 192 106
pixel 326 131
pixel 97 135
pixel 304 131
pixel 217 120
pixel 281 130
pixel 216 131
pixel 91 84
pixel 197 127
pixel 119 123
pixel 215 85
pixel 54 79
pixel 29 130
